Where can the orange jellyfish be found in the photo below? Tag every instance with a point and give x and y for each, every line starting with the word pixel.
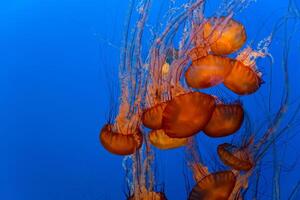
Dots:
pixel 152 117
pixel 215 186
pixel 118 143
pixel 243 79
pixel 236 158
pixel 226 120
pixel 208 71
pixel 224 35
pixel 161 140
pixel 187 114
pixel 149 196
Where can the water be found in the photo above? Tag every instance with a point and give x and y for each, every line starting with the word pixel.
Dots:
pixel 54 99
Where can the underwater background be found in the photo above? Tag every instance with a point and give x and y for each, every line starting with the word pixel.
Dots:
pixel 54 59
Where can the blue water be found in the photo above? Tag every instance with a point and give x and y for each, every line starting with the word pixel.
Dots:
pixel 54 101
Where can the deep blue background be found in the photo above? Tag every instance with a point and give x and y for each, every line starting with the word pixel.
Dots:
pixel 54 101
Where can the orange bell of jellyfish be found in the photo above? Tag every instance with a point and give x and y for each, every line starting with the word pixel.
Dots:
pixel 226 120
pixel 152 117
pixel 118 143
pixel 161 140
pixel 242 79
pixel 224 37
pixel 215 186
pixel 208 71
pixel 187 114
pixel 238 161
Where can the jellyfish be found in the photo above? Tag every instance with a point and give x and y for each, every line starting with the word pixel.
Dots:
pixel 243 79
pixel 118 143
pixel 187 114
pixel 144 194
pixel 152 117
pixel 237 158
pixel 208 71
pixel 226 120
pixel 215 186
pixel 224 35
pixel 161 140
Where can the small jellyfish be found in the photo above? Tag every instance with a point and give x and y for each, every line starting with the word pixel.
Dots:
pixel 149 196
pixel 118 143
pixel 152 117
pixel 161 140
pixel 215 186
pixel 243 79
pixel 187 114
pixel 224 35
pixel 226 120
pixel 208 71
pixel 234 157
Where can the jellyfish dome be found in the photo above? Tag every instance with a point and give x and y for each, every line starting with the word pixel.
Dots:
pixel 161 140
pixel 215 186
pixel 152 117
pixel 119 143
pixel 226 120
pixel 243 79
pixel 208 71
pixel 187 114
pixel 224 35
pixel 238 159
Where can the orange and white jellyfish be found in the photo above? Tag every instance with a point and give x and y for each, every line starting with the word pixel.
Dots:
pixel 236 158
pixel 225 120
pixel 215 186
pixel 208 71
pixel 224 35
pixel 187 114
pixel 243 79
pixel 161 140
pixel 118 143
pixel 152 117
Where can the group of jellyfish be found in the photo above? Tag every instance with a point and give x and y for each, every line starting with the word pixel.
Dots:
pixel 166 100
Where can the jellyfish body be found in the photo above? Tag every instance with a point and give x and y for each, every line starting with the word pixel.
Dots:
pixel 215 186
pixel 224 36
pixel 243 79
pixel 226 120
pixel 118 143
pixel 238 160
pixel 208 71
pixel 152 117
pixel 161 140
pixel 187 114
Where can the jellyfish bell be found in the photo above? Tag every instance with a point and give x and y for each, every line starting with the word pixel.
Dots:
pixel 226 120
pixel 152 117
pixel 224 35
pixel 236 158
pixel 208 71
pixel 243 79
pixel 215 186
pixel 187 114
pixel 120 143
pixel 161 140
